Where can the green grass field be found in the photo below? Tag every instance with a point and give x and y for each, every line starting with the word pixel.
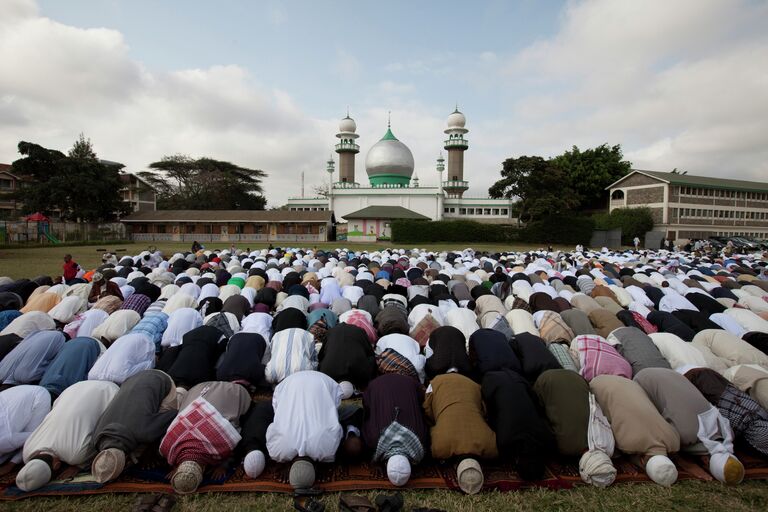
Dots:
pixel 688 495
pixel 17 262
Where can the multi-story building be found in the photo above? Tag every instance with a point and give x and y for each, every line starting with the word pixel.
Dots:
pixel 686 206
pixel 9 183
pixel 138 193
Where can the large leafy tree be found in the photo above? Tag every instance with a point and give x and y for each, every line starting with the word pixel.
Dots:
pixel 185 183
pixel 77 186
pixel 590 171
pixel 540 186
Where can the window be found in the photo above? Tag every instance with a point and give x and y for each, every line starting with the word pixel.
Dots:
pixel 445 210
pixel 617 195
pixel 495 211
pixel 6 184
pixel 470 211
pixel 504 211
pixel 487 211
pixel 239 229
pixel 209 229
pixel 453 210
pixel 462 211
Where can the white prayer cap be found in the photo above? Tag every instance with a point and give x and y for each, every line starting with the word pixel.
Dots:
pixel 35 474
pixel 347 389
pixel 726 468
pixel 254 463
pixel 661 470
pixel 398 470
pixel 596 468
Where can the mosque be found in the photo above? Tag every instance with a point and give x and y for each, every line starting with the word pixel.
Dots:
pixel 393 191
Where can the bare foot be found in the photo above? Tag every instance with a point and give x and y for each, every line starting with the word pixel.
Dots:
pixel 68 473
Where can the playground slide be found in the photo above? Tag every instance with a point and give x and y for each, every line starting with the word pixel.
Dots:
pixel 51 238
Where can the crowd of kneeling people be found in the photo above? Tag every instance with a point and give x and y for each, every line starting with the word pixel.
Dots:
pixel 388 356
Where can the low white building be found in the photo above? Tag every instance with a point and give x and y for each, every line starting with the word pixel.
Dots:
pixel 393 188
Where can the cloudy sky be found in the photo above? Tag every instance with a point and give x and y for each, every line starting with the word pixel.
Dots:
pixel 262 84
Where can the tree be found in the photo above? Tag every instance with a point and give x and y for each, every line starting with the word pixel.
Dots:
pixel 78 187
pixel 321 190
pixel 184 183
pixel 82 149
pixel 589 172
pixel 541 187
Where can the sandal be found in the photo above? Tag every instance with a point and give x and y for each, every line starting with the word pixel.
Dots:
pixel 355 503
pixel 307 503
pixel 145 502
pixel 165 503
pixel 390 502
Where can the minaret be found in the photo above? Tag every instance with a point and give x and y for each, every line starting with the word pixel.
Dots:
pixel 456 145
pixel 347 149
pixel 330 167
pixel 440 196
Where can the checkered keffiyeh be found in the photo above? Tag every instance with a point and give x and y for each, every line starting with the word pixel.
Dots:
pixel 563 356
pixel 519 303
pixel 746 416
pixel 398 439
pixel 137 302
pixel 199 433
pixel 597 357
pixel 392 361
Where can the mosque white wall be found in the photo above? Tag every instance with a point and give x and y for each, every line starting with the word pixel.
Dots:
pixel 424 201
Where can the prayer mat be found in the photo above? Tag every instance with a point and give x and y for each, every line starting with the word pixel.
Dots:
pixel 149 475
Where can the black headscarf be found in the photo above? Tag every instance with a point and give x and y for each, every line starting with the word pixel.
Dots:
pixel 489 350
pixel 347 354
pixel 449 351
pixel 200 349
pixel 242 359
pixel 535 357
pixel 667 322
pixel 289 318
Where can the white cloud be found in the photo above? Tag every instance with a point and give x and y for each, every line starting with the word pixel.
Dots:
pixel 59 80
pixel 678 84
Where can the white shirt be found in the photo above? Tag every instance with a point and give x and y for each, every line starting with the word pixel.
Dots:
pixel 66 431
pixel 306 420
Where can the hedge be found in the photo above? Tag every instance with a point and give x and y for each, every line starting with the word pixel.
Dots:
pixel 559 229
pixel 633 222
pixel 417 232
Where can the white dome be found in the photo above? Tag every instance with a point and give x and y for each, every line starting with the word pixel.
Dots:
pixel 456 120
pixel 389 157
pixel 347 125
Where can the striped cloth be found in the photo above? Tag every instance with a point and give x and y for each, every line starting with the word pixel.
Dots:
pixel 293 350
pixel 597 357
pixel 392 361
pixel 199 433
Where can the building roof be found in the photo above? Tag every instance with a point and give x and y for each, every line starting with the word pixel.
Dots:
pixel 126 176
pixel 700 181
pixel 385 212
pixel 229 216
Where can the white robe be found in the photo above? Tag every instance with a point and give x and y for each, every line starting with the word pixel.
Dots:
pixel 22 409
pixel 306 420
pixel 66 431
pixel 91 319
pixel 126 357
pixel 180 322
